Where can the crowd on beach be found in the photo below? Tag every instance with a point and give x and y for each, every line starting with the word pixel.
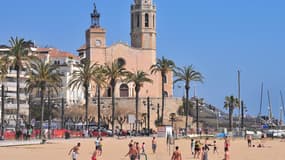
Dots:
pixel 199 148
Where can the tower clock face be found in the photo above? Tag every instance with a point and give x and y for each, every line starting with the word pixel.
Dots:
pixel 98 42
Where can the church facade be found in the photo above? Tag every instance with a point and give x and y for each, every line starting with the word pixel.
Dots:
pixel 139 56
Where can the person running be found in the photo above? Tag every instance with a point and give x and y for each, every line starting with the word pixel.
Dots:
pixel 133 153
pixel 227 143
pixel 227 154
pixel 192 146
pixel 94 155
pixel 215 150
pixel 176 154
pixel 154 145
pixel 74 151
pixel 204 153
pixel 197 149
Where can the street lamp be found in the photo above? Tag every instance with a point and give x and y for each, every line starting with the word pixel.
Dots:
pixel 2 112
pixel 148 103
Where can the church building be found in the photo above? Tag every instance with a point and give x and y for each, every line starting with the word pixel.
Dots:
pixel 139 56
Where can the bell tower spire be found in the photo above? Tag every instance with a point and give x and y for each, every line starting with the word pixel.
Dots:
pixel 95 17
pixel 143 24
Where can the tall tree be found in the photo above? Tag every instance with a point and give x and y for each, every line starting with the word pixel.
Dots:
pixel 82 78
pixel 20 59
pixel 114 72
pixel 187 74
pixel 4 61
pixel 163 66
pixel 231 103
pixel 138 78
pixel 44 76
pixel 100 79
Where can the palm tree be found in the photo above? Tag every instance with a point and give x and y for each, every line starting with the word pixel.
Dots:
pixel 43 76
pixel 82 78
pixel 187 74
pixel 231 103
pixel 114 72
pixel 3 72
pixel 100 79
pixel 163 66
pixel 20 59
pixel 138 78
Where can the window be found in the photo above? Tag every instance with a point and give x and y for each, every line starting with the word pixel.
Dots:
pixel 153 21
pixel 165 94
pixel 124 90
pixel 138 20
pixel 146 20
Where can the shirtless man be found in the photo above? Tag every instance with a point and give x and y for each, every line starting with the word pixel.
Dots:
pixel 133 153
pixel 154 145
pixel 74 151
pixel 176 154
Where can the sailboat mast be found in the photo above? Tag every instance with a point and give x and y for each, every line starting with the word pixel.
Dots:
pixel 261 100
pixel 269 108
pixel 282 102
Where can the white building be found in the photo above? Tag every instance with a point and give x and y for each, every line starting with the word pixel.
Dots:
pixel 67 65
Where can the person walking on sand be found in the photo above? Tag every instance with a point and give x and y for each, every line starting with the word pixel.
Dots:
pixel 249 139
pixel 133 153
pixel 204 153
pixel 215 150
pixel 192 146
pixel 94 155
pixel 227 143
pixel 176 154
pixel 74 151
pixel 154 145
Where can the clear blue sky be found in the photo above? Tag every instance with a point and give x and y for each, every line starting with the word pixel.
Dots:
pixel 217 36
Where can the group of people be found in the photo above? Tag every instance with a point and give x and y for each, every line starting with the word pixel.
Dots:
pixel 74 151
pixel 136 150
pixel 200 150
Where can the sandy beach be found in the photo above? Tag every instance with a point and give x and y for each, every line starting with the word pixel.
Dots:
pixel 115 149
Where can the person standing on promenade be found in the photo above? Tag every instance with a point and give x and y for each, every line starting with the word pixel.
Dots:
pixel 154 145
pixel 176 154
pixel 74 151
pixel 133 153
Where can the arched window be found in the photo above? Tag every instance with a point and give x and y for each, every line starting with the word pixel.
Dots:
pixel 132 21
pixel 121 62
pixel 109 92
pixel 165 94
pixel 124 90
pixel 146 20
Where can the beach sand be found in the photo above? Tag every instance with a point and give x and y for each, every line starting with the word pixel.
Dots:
pixel 115 149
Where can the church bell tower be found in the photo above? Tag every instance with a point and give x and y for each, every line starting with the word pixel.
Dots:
pixel 143 24
pixel 95 35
